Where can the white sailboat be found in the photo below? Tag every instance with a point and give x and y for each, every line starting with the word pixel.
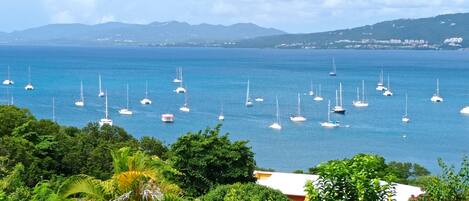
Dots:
pixel 221 116
pixel 146 100
pixel 106 120
pixel 406 118
pixel 29 86
pixel 181 88
pixel 329 123
pixel 8 81
pixel 387 91
pixel 338 101
pixel 311 90
pixel 361 102
pixel 100 92
pixel 380 86
pixel 334 70
pixel 80 102
pixel 248 102
pixel 465 110
pixel 126 110
pixel 178 78
pixel 298 117
pixel 185 107
pixel 318 96
pixel 436 97
pixel 276 125
pixel 259 99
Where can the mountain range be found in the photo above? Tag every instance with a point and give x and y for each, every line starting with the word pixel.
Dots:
pixel 449 31
pixel 116 33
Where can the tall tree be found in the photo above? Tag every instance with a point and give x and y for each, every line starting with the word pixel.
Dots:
pixel 207 159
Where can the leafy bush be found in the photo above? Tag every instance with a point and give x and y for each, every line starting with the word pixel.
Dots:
pixel 243 192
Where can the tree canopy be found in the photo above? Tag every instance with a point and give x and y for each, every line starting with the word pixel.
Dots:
pixel 207 159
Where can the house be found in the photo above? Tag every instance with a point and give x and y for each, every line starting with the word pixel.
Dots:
pixel 292 185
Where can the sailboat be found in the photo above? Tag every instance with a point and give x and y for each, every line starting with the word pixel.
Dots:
pixel 106 120
pixel 146 100
pixel 81 101
pixel 8 81
pixel 53 109
pixel 248 101
pixel 167 118
pixel 338 101
pixel 361 102
pixel 436 97
pixel 100 93
pixel 297 117
pixel 406 118
pixel 318 96
pixel 126 110
pixel 311 90
pixel 178 78
pixel 387 91
pixel 380 86
pixel 276 125
pixel 29 86
pixel 221 116
pixel 185 107
pixel 334 70
pixel 329 123
pixel 181 88
pixel 465 110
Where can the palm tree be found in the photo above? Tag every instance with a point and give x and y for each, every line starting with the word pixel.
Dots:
pixel 137 177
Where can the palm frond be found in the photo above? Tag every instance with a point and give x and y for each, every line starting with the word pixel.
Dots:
pixel 84 184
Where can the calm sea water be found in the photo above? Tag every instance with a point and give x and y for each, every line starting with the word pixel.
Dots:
pixel 216 76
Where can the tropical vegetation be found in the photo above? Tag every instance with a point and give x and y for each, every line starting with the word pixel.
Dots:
pixel 41 160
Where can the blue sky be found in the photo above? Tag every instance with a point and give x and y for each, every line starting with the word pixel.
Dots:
pixel 295 16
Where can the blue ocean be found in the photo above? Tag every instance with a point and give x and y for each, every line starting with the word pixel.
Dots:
pixel 216 76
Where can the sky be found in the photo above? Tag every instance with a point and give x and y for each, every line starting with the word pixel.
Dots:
pixel 293 16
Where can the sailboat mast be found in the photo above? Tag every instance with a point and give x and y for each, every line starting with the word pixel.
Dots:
pixel 438 87
pixel 100 86
pixel 127 96
pixel 389 84
pixel 180 74
pixel 299 105
pixel 247 93
pixel 406 104
pixel 319 90
pixel 363 90
pixel 336 98
pixel 29 74
pixel 340 93
pixel 53 109
pixel 277 112
pixel 146 89
pixel 81 92
pixel 328 111
pixel 8 73
pixel 381 77
pixel 107 114
pixel 221 110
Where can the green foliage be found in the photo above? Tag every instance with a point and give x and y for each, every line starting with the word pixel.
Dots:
pixel 243 192
pixel 357 178
pixel 450 185
pixel 407 173
pixel 12 117
pixel 207 159
pixel 136 177
pixel 43 191
pixel 153 147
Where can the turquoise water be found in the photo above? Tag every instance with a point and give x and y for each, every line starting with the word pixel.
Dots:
pixel 216 76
